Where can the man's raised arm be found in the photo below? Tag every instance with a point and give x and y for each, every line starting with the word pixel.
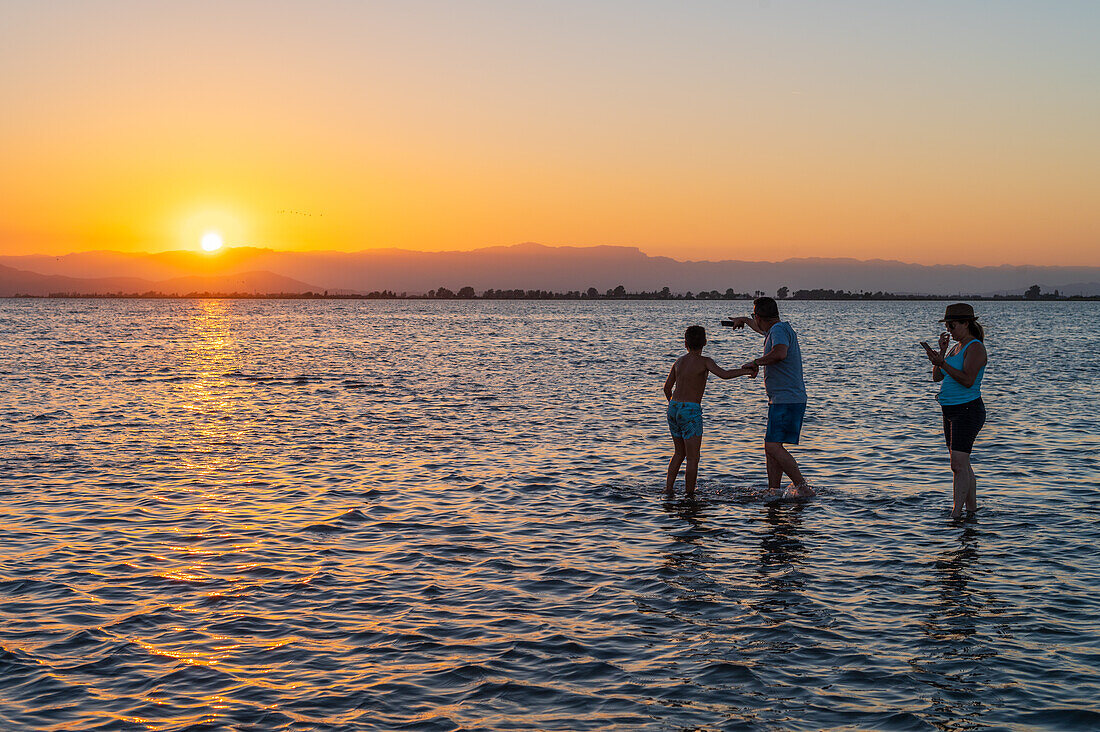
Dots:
pixel 741 321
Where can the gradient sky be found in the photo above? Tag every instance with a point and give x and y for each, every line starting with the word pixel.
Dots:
pixel 932 132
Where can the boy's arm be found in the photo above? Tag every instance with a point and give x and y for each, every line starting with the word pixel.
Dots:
pixel 722 373
pixel 670 382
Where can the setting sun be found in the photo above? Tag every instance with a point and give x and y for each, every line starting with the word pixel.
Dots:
pixel 211 241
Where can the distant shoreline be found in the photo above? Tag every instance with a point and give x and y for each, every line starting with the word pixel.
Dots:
pixel 542 295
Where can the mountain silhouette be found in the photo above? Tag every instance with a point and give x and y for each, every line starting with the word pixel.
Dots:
pixel 21 282
pixel 534 266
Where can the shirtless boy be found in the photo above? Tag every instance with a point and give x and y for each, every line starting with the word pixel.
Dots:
pixel 684 389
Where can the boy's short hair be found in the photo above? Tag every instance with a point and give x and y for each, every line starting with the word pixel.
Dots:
pixel 695 337
pixel 765 307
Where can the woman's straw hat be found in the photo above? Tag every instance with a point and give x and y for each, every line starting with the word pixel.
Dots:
pixel 959 311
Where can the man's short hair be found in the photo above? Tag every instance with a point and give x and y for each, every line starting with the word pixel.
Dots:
pixel 695 337
pixel 765 307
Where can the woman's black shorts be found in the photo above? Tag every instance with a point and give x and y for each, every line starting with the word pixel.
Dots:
pixel 961 423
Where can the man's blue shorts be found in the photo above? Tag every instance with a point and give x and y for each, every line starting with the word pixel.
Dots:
pixel 685 419
pixel 785 422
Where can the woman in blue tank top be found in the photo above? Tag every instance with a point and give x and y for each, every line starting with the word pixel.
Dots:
pixel 960 372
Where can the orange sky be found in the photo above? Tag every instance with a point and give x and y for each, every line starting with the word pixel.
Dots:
pixel 932 133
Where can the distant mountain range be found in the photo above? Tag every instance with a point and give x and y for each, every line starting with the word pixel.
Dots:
pixel 21 282
pixel 523 266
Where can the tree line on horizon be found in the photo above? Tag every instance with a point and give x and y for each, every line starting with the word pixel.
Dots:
pixel 617 293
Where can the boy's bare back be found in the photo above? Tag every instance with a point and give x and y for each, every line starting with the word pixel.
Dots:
pixel 690 373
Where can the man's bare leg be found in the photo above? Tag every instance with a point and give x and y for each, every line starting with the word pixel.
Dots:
pixel 691 447
pixel 775 474
pixel 674 464
pixel 787 464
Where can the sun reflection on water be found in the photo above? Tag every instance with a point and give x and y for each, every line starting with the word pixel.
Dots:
pixel 212 352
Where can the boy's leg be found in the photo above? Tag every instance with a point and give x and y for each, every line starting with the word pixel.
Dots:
pixel 674 463
pixel 691 448
pixel 785 462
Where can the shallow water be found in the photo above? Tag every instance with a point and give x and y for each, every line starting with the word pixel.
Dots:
pixel 330 515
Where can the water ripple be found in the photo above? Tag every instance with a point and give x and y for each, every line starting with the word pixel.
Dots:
pixel 272 515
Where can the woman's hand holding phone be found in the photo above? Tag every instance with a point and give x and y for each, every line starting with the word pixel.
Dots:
pixel 933 356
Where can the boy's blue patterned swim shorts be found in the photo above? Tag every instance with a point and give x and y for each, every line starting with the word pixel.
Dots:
pixel 685 419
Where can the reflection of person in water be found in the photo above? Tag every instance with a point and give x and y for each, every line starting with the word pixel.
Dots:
pixel 781 550
pixel 686 566
pixel 956 662
pixel 691 593
pixel 953 615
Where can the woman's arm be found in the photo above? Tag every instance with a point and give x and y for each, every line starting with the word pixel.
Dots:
pixel 974 361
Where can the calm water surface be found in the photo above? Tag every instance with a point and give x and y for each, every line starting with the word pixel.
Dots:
pixel 323 515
